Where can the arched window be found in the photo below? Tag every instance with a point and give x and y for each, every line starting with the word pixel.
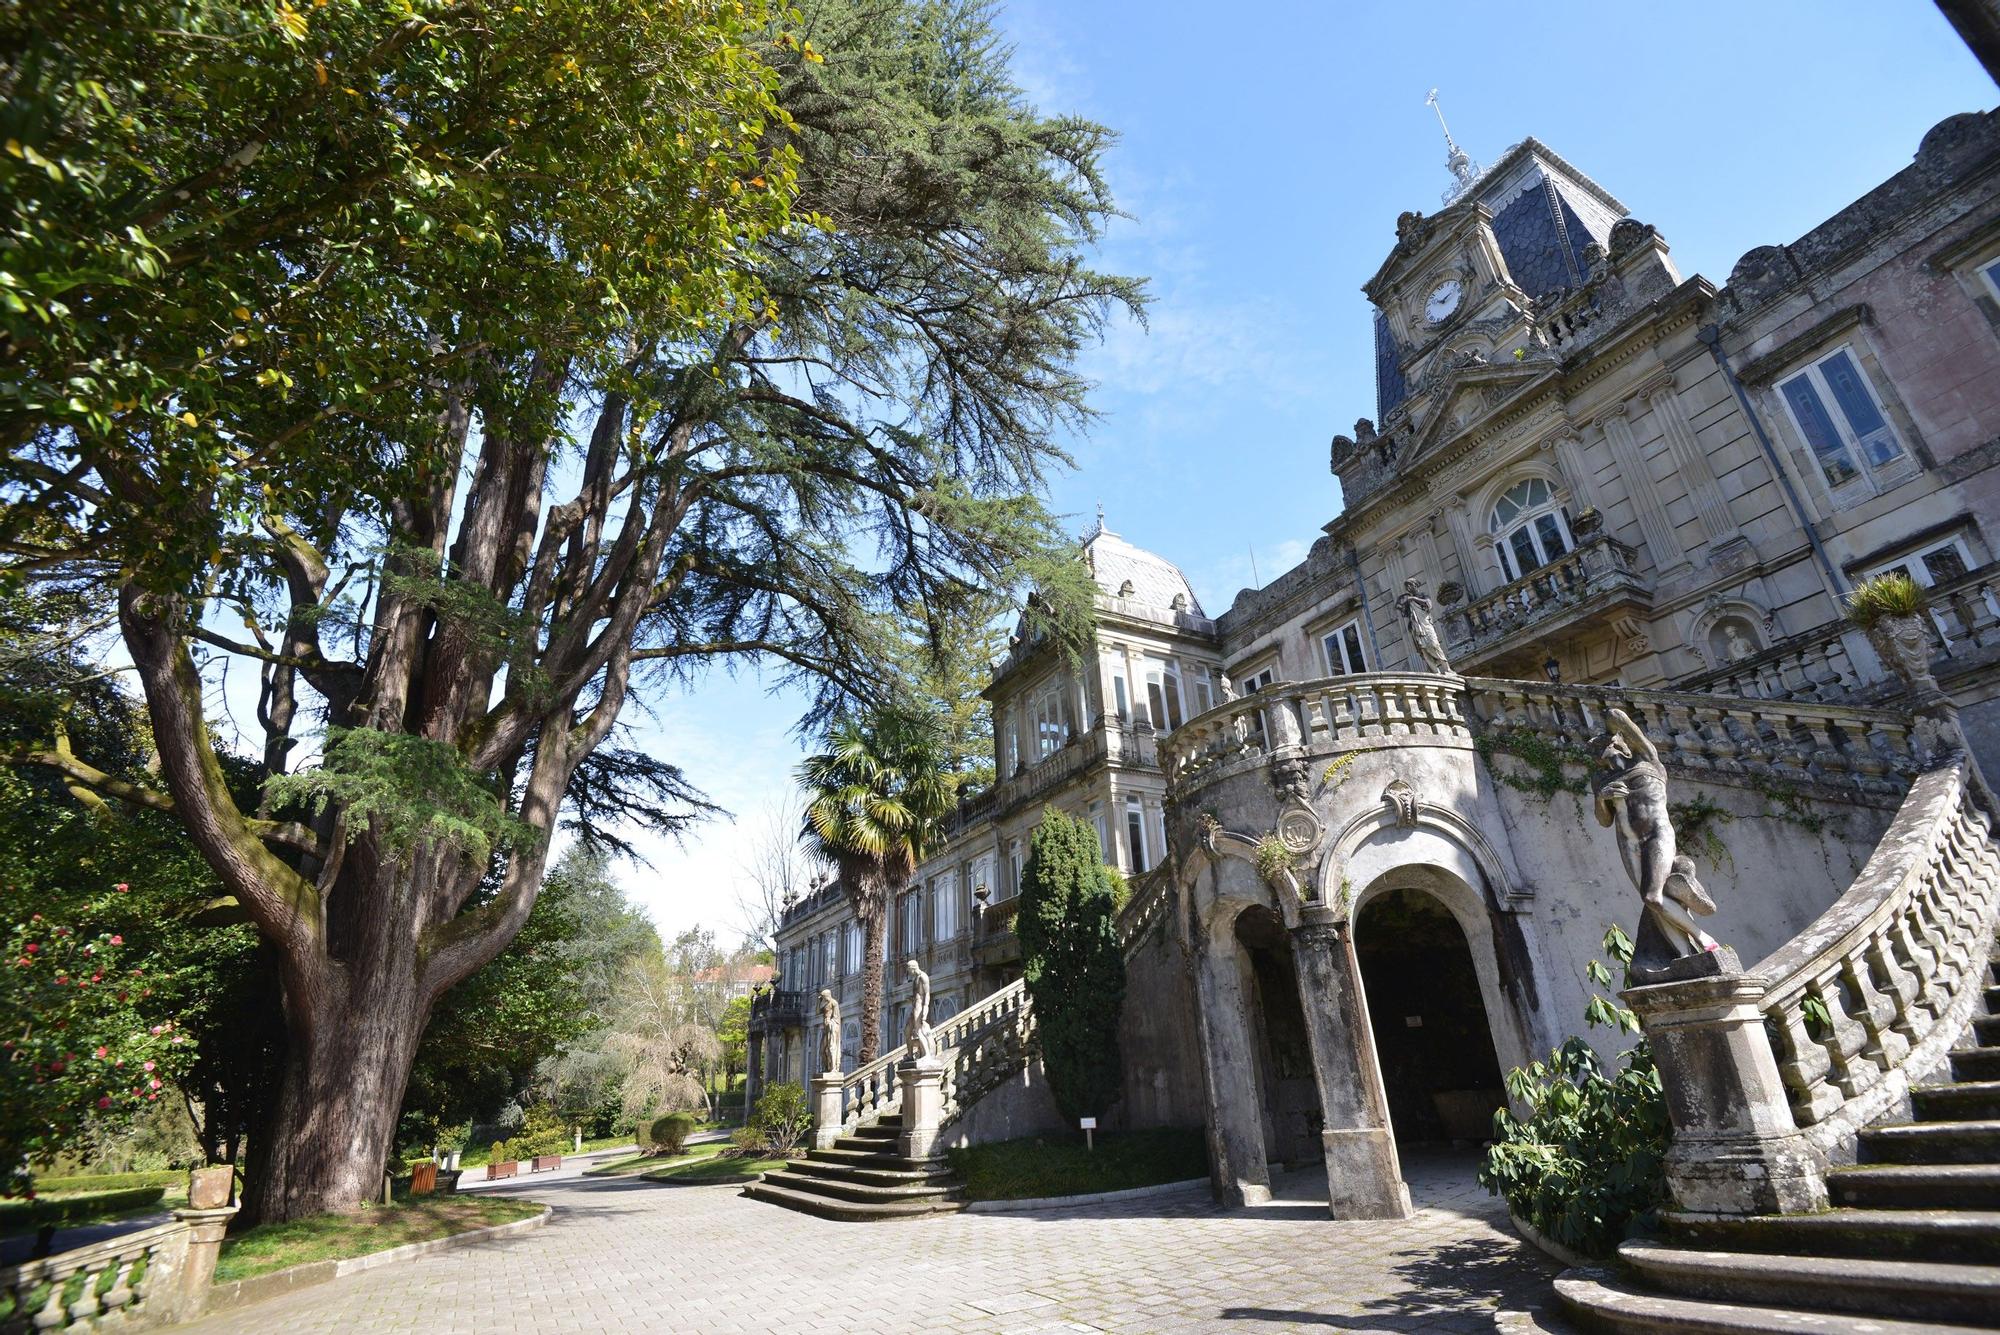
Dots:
pixel 1531 527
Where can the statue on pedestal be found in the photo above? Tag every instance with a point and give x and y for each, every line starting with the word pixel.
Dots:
pixel 1630 787
pixel 829 1034
pixel 921 1044
pixel 1416 610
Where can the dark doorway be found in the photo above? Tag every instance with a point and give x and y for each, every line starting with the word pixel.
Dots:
pixel 1431 1034
pixel 1286 1091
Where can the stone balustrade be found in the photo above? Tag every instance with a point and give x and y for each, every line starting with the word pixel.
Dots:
pixel 1871 754
pixel 1320 717
pixel 869 1091
pixel 1152 899
pixel 1828 663
pixel 1883 980
pixel 981 1056
pixel 1601 568
pixel 150 1277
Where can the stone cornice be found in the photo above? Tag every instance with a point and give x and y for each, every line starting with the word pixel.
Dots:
pixel 1762 368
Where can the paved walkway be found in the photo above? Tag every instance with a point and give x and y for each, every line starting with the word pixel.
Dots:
pixel 627 1256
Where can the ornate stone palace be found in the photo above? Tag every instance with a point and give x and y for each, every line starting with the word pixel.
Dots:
pixel 1356 808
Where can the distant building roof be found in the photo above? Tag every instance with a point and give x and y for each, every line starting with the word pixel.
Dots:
pixel 756 975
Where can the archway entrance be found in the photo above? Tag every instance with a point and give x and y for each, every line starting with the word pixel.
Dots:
pixel 1287 1095
pixel 1430 1025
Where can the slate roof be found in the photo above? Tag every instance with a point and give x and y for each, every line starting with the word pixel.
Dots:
pixel 1542 240
pixel 1389 387
pixel 1155 580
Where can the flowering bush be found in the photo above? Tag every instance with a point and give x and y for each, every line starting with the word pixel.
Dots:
pixel 78 1039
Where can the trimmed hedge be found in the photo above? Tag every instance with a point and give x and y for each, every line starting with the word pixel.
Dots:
pixel 60 1211
pixel 159 1177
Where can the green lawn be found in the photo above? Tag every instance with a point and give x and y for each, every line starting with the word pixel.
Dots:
pixel 705 1163
pixel 373 1228
pixel 631 1163
pixel 1013 1170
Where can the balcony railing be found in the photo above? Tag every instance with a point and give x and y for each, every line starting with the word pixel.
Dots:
pixel 1601 573
pixel 776 1008
pixel 1109 741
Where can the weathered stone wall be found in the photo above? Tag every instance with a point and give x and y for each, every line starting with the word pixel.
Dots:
pixel 1019 1106
pixel 1157 1037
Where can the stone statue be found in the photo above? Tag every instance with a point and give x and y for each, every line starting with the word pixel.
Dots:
pixel 829 1034
pixel 1630 786
pixel 920 1045
pixel 1416 609
pixel 1740 646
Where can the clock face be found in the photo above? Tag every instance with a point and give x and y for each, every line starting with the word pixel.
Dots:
pixel 1443 301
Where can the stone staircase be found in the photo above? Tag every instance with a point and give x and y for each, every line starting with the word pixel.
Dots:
pixel 1912 1242
pixel 862 1177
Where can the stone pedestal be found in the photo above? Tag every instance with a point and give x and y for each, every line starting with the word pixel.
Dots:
pixel 1736 1148
pixel 1364 1177
pixel 923 1108
pixel 826 1110
pixel 197 1268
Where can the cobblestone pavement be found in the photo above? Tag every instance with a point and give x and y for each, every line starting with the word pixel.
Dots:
pixel 622 1255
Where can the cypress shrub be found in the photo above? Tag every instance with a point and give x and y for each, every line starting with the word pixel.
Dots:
pixel 1071 963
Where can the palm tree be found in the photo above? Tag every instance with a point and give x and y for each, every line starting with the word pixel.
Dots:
pixel 875 801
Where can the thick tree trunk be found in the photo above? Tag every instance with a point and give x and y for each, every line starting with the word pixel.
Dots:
pixel 873 923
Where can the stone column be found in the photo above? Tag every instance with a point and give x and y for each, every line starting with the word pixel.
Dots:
pixel 1658 531
pixel 1239 1172
pixel 1575 471
pixel 1471 574
pixel 753 1078
pixel 1691 463
pixel 923 1108
pixel 1364 1177
pixel 1736 1148
pixel 826 1110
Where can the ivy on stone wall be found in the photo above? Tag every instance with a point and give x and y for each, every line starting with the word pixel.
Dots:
pixel 1546 761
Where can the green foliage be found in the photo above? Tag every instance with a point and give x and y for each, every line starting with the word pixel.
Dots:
pixel 77 1038
pixel 542 1132
pixel 1274 860
pixel 749 1140
pixel 78 1208
pixel 1033 1168
pixel 669 1134
pixel 733 1032
pixel 1695 822
pixel 404 791
pixel 1547 763
pixel 1070 960
pixel 1894 594
pixel 782 1116
pixel 1587 1163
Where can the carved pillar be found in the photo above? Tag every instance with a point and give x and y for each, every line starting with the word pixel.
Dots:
pixel 1470 572
pixel 1658 531
pixel 1691 463
pixel 1363 1175
pixel 1736 1148
pixel 184 1291
pixel 753 1079
pixel 1239 1172
pixel 923 1107
pixel 1427 553
pixel 1575 470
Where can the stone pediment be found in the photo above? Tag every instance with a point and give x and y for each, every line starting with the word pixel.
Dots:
pixel 1464 393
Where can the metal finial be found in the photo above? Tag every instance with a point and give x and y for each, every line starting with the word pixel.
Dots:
pixel 1100 519
pixel 1463 169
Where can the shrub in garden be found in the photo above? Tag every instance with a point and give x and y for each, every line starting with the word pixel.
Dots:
pixel 749 1141
pixel 542 1132
pixel 77 1045
pixel 669 1134
pixel 1072 964
pixel 782 1116
pixel 1588 1161
pixel 501 1152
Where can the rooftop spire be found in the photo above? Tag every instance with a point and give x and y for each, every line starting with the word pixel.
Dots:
pixel 1463 169
pixel 1100 520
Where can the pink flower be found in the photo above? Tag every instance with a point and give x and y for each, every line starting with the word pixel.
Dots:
pixel 121 887
pixel 117 940
pixel 154 1083
pixel 104 1102
pixel 102 1053
pixel 33 948
pixel 156 1030
pixel 61 978
pixel 149 1066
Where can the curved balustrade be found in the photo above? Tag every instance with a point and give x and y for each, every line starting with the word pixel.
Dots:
pixel 993 1049
pixel 1874 752
pixel 112 1282
pixel 1150 901
pixel 1331 714
pixel 1881 982
pixel 1599 566
pixel 869 1091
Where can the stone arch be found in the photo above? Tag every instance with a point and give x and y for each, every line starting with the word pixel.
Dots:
pixel 1708 637
pixel 1406 830
pixel 1535 463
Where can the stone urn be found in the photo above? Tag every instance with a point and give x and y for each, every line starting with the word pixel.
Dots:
pixel 1904 646
pixel 208 1188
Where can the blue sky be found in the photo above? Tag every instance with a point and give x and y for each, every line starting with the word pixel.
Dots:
pixel 1263 165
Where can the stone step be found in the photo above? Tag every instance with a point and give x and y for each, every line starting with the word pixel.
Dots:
pixel 867 1144
pixel 1905 1289
pixel 1961 1101
pixel 1986 1029
pixel 1992 995
pixel 1604 1302
pixel 1950 1186
pixel 1932 1142
pixel 876 1131
pixel 894 1120
pixel 881 1177
pixel 1971 1236
pixel 1975 1064
pixel 847 1189
pixel 869 1159
pixel 827 1207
